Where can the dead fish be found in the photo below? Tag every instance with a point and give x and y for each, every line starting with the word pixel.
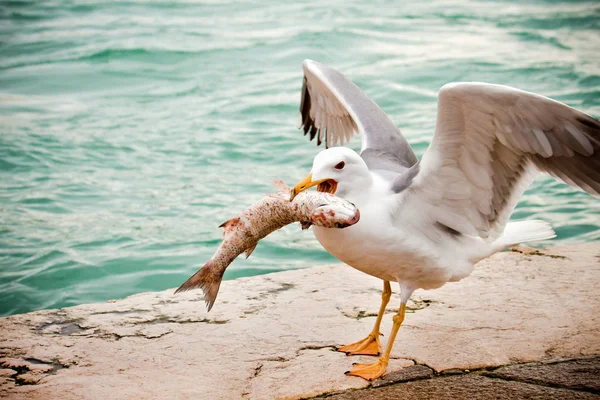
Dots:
pixel 241 234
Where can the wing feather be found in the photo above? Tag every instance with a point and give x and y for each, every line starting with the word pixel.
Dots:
pixel 489 143
pixel 334 109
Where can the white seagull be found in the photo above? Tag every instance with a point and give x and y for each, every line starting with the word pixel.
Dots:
pixel 428 222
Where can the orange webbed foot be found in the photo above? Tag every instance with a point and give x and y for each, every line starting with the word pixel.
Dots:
pixel 369 372
pixel 369 346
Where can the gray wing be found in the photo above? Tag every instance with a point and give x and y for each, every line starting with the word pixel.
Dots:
pixel 333 109
pixel 489 142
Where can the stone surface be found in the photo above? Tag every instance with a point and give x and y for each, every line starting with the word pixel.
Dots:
pixel 580 374
pixel 575 378
pixel 465 387
pixel 273 336
pixel 405 374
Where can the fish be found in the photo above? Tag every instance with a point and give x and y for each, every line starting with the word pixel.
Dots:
pixel 242 233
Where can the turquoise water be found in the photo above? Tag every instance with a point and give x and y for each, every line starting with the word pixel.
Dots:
pixel 129 130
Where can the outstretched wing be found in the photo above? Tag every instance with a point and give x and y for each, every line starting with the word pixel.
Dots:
pixel 333 109
pixel 489 142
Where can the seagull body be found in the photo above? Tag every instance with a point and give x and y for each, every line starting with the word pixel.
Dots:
pixel 425 223
pixel 390 245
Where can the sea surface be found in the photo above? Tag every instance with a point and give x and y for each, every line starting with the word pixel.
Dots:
pixel 129 130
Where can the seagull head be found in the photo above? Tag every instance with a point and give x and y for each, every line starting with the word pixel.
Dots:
pixel 337 170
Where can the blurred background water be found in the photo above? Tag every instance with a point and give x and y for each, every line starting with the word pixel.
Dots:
pixel 129 130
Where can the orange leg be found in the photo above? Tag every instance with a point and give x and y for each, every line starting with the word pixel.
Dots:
pixel 377 369
pixel 370 346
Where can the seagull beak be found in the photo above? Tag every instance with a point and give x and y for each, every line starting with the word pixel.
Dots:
pixel 308 183
pixel 303 185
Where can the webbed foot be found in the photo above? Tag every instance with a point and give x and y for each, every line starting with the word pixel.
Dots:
pixel 369 346
pixel 369 372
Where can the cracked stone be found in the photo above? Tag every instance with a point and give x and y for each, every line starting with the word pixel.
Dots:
pixel 157 344
pixel 63 327
pixel 27 379
pixel 452 371
pixel 406 374
pixel 6 372
pixel 464 387
pixel 154 332
pixel 581 374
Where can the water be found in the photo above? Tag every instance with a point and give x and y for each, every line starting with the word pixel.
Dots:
pixel 130 130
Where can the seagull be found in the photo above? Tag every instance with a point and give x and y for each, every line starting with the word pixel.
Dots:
pixel 428 222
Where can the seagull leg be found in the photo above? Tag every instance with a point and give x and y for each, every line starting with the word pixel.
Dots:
pixel 377 369
pixel 370 346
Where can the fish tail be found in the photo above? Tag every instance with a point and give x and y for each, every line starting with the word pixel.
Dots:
pixel 208 278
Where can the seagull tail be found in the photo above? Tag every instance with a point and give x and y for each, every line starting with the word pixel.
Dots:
pixel 208 278
pixel 522 232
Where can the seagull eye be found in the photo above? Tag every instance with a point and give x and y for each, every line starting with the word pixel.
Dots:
pixel 340 165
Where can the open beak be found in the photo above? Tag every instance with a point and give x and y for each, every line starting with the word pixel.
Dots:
pixel 323 185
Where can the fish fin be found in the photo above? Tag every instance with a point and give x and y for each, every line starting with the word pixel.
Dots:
pixel 229 224
pixel 208 278
pixel 281 186
pixel 249 250
pixel 305 225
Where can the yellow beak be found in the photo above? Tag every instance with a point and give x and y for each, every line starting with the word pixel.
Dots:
pixel 303 185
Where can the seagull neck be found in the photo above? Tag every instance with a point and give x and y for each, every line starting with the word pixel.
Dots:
pixel 356 190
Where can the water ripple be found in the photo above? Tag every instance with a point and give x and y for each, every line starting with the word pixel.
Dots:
pixel 131 130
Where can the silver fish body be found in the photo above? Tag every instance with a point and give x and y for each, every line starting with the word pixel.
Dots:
pixel 242 233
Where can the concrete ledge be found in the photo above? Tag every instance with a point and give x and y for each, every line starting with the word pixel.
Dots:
pixel 274 336
pixel 557 379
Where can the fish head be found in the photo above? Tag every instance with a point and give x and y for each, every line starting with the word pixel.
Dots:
pixel 336 213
